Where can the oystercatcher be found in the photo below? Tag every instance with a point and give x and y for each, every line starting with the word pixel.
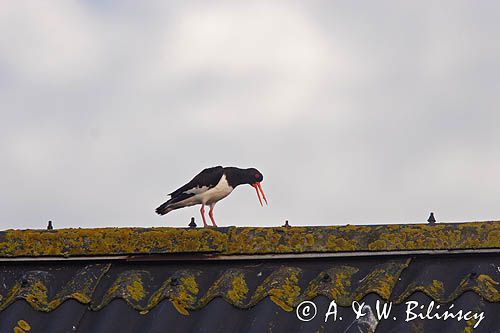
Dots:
pixel 210 186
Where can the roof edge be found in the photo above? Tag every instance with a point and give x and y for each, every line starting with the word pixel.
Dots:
pixel 107 242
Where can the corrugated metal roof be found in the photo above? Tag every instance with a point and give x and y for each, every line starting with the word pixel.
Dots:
pixel 251 295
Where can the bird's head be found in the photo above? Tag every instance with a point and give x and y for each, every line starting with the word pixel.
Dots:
pixel 254 177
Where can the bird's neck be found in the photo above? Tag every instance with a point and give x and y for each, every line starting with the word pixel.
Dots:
pixel 235 176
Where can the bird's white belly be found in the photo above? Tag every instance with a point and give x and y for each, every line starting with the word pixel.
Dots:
pixel 220 191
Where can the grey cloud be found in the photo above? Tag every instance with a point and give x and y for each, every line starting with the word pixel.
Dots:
pixel 372 113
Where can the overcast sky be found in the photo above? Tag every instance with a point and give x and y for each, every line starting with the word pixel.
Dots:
pixel 355 112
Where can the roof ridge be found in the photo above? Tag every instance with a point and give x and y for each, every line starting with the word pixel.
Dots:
pixel 249 240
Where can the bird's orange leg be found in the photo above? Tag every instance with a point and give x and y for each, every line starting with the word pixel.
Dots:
pixel 211 214
pixel 202 211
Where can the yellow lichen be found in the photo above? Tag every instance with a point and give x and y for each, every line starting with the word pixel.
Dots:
pixel 11 296
pixel 80 297
pixel 334 283
pixel 436 288
pixel 340 244
pixel 113 241
pixel 37 295
pixel 239 289
pixel 184 296
pixel 180 307
pixel 381 280
pixel 469 324
pixel 285 295
pixel 24 325
pixel 486 288
pixel 342 280
pixel 309 240
pixel 189 282
pixel 377 245
pixel 68 242
pixel 119 241
pixel 136 290
pixel 486 279
pixel 493 238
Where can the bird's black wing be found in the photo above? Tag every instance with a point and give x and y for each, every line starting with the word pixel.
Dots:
pixel 203 181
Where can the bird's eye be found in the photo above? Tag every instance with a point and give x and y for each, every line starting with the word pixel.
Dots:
pixel 256 175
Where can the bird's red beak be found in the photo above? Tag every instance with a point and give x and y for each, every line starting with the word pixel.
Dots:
pixel 258 188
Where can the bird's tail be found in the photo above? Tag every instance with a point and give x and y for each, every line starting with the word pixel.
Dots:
pixel 174 203
pixel 164 208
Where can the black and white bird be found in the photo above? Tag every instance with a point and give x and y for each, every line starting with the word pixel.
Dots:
pixel 210 186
